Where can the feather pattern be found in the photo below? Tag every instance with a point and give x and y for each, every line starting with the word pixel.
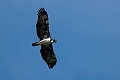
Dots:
pixel 42 25
pixel 42 28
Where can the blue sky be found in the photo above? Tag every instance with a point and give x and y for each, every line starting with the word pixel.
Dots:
pixel 87 31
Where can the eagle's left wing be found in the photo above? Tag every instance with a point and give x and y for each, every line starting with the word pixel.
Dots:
pixel 48 55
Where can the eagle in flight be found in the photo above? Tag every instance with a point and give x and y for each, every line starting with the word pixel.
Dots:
pixel 45 40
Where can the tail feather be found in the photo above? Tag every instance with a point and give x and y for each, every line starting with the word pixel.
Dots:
pixel 34 44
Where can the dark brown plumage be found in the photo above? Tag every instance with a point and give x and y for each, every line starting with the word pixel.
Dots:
pixel 42 25
pixel 42 28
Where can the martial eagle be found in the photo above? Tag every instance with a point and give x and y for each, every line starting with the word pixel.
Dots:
pixel 45 40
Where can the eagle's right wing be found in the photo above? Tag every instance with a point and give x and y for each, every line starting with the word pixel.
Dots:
pixel 48 55
pixel 42 25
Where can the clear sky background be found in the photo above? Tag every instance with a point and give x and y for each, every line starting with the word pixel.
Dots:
pixel 87 31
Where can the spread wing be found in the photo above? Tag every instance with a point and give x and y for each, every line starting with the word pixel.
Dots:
pixel 42 25
pixel 48 55
pixel 42 28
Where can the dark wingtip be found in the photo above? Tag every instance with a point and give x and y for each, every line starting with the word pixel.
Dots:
pixel 41 11
pixel 50 67
pixel 52 64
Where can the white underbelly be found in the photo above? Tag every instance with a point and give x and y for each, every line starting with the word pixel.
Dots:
pixel 45 42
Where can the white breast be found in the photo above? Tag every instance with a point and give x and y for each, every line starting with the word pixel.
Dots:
pixel 45 42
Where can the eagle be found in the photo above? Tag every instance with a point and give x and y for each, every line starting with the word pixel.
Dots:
pixel 45 39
